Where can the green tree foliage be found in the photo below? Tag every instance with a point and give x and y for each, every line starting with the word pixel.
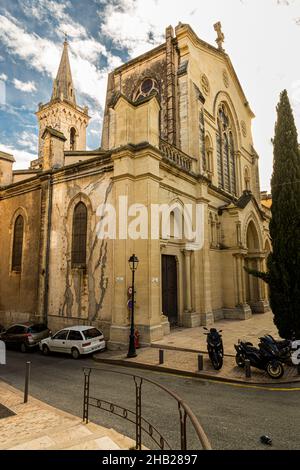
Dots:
pixel 283 264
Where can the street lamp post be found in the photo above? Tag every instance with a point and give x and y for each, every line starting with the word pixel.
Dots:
pixel 133 263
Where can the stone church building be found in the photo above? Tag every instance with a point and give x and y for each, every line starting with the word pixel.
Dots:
pixel 176 131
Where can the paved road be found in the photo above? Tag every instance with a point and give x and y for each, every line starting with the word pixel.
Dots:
pixel 233 417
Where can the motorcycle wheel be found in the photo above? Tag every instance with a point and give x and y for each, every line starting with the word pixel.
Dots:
pixel 240 361
pixel 275 369
pixel 217 361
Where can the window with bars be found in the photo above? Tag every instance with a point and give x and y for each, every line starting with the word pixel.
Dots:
pixel 18 244
pixel 225 152
pixel 79 236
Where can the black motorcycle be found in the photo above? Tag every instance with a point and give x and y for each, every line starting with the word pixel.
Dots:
pixel 215 347
pixel 265 357
pixel 284 347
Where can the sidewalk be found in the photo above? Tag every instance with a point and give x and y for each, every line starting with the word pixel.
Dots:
pixel 38 426
pixel 182 346
pixel 233 330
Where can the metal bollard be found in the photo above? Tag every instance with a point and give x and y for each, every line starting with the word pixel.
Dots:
pixel 27 378
pixel 247 369
pixel 200 362
pixel 161 356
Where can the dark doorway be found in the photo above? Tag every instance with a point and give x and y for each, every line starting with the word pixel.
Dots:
pixel 169 288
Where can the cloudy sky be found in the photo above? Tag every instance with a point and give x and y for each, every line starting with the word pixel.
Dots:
pixel 262 39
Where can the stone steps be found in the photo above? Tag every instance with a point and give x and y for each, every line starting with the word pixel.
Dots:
pixel 38 426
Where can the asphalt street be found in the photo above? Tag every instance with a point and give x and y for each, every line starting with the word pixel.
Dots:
pixel 233 417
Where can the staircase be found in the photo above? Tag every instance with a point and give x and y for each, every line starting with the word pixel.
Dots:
pixel 38 426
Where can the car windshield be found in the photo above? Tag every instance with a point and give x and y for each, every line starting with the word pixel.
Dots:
pixel 91 333
pixel 38 328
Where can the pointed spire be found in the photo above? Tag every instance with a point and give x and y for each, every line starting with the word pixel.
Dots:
pixel 63 84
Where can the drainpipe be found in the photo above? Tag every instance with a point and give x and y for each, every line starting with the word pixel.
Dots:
pixel 49 217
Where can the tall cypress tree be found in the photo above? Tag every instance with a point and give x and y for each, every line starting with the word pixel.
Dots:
pixel 284 262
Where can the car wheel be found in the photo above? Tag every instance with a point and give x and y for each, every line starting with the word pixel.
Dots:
pixel 45 350
pixel 23 348
pixel 75 353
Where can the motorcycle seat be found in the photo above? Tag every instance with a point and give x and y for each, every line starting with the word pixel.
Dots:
pixel 249 347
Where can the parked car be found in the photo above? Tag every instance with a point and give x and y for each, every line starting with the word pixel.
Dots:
pixel 75 340
pixel 25 336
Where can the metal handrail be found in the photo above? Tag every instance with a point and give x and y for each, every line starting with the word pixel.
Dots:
pixel 181 405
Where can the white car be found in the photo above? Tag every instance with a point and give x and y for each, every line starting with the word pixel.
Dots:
pixel 75 340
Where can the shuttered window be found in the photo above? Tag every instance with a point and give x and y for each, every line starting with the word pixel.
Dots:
pixel 79 235
pixel 18 244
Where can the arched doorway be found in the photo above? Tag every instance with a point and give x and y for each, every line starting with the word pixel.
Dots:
pixel 252 259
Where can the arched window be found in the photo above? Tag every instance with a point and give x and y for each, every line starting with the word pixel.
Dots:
pixel 72 138
pixel 79 236
pixel 208 155
pixel 225 152
pixel 18 244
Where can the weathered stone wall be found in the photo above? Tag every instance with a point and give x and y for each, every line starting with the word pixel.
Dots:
pixel 74 295
pixel 78 295
pixel 19 291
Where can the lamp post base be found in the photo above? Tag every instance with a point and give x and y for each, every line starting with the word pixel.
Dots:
pixel 129 355
pixel 131 350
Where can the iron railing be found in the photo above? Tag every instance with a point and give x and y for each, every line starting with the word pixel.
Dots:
pixel 135 417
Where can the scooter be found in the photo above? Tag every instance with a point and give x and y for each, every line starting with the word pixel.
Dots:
pixel 215 347
pixel 289 350
pixel 265 357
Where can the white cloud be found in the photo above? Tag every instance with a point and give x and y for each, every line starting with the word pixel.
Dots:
pixel 22 157
pixel 27 87
pixel 29 140
pixel 3 77
pixel 40 54
pixel 43 55
pixel 88 49
pixel 135 24
pixel 41 9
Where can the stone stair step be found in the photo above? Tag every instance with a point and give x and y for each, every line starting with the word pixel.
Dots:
pixel 40 443
pixel 101 443
pixel 15 435
pixel 78 435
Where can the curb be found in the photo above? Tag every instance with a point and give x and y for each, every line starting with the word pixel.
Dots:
pixel 197 375
pixel 176 348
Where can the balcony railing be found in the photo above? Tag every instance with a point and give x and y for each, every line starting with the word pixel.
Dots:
pixel 175 156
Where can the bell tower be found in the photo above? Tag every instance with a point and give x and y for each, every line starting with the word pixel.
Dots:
pixel 62 113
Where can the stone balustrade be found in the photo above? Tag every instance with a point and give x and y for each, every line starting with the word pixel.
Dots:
pixel 176 156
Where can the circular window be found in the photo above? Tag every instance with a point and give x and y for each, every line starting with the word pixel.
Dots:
pixel 225 78
pixel 205 84
pixel 146 88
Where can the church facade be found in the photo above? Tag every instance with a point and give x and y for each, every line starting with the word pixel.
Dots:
pixel 176 132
